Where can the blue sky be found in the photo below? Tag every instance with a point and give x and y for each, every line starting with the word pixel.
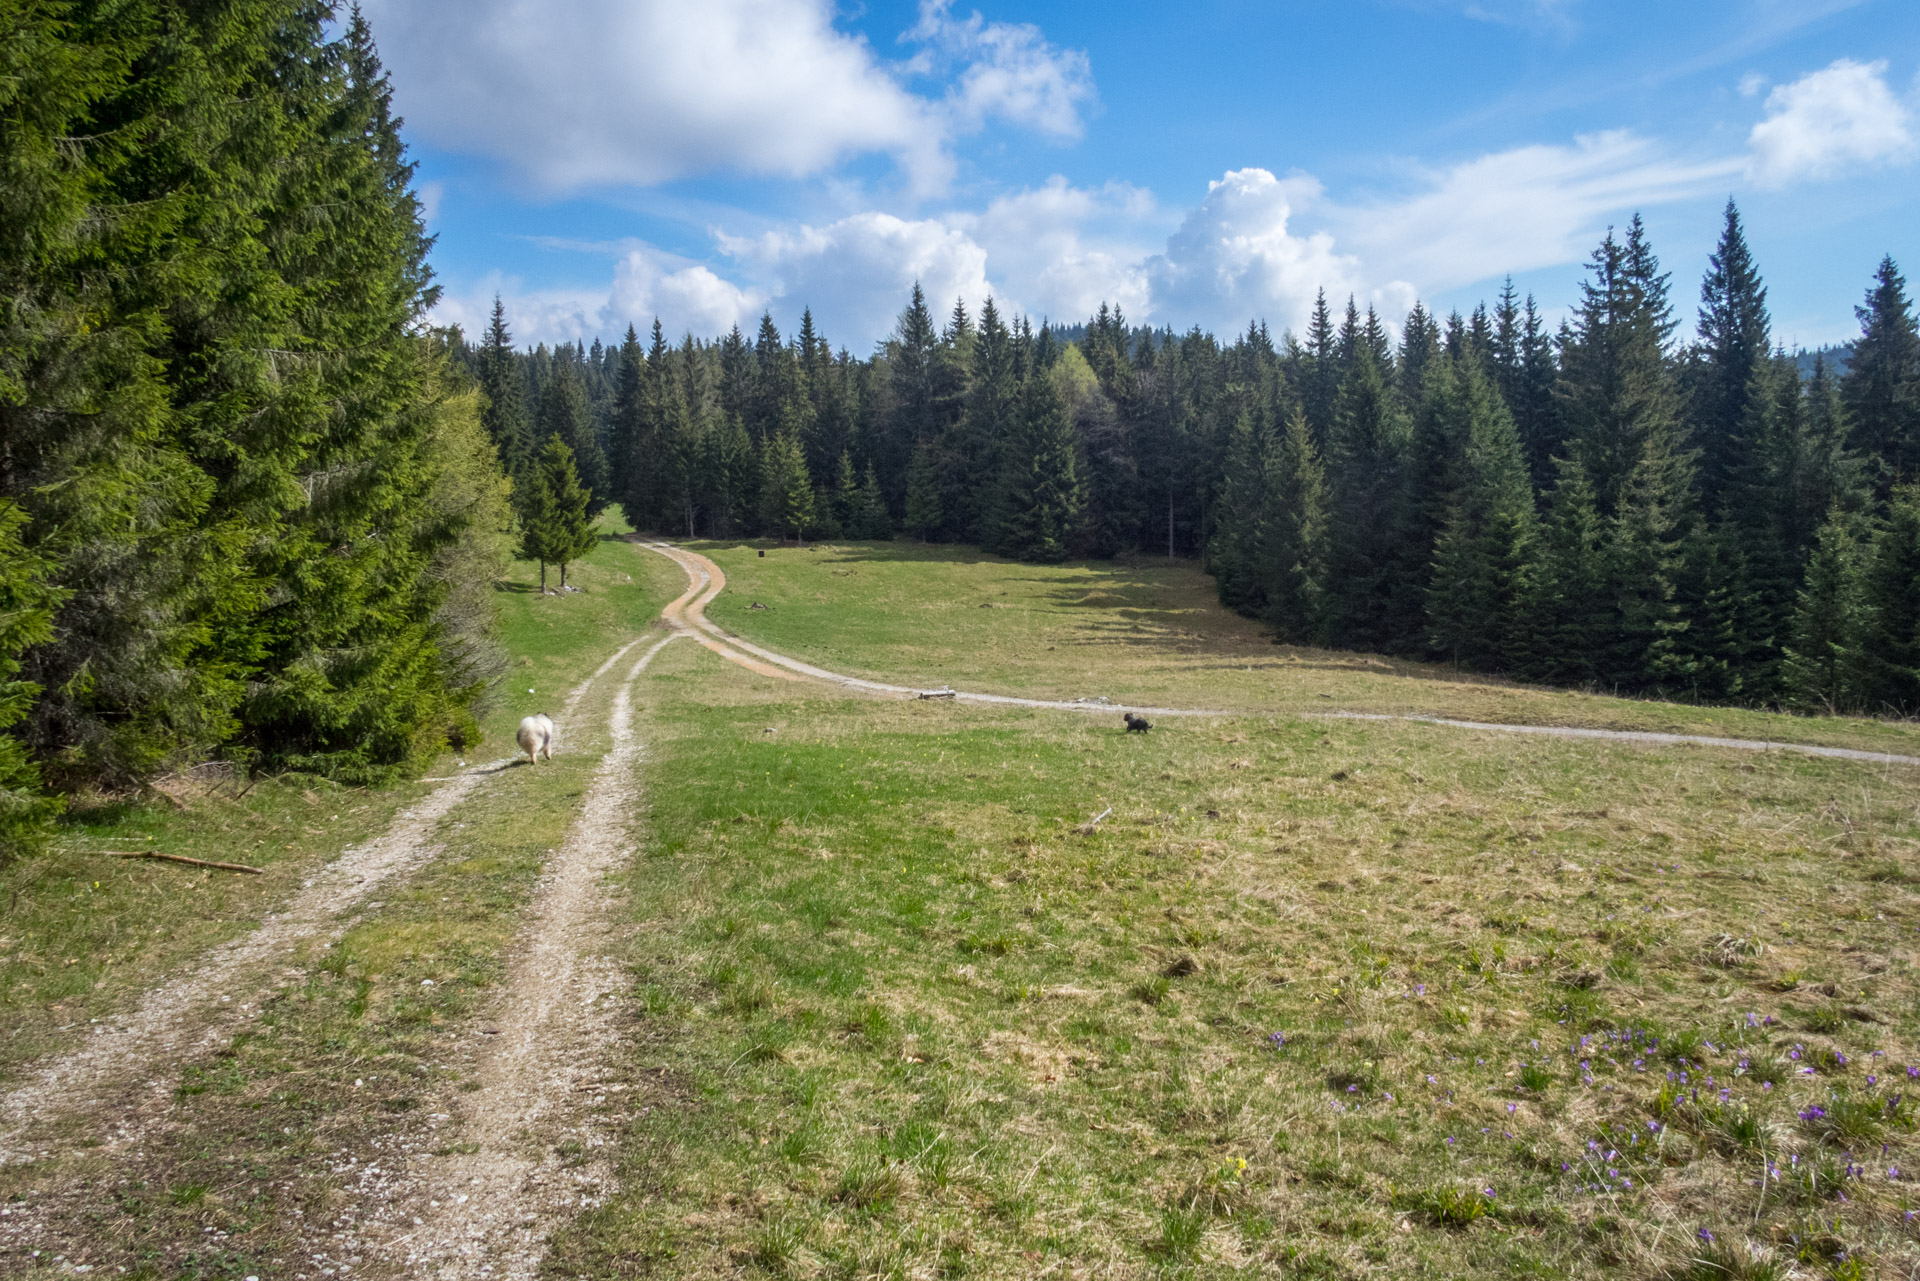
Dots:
pixel 600 162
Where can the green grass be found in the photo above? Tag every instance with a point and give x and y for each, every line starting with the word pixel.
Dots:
pixel 1318 998
pixel 371 1030
pixel 83 932
pixel 917 1022
pixel 1148 632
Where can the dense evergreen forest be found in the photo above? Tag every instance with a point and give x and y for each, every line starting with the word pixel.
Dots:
pixel 247 508
pixel 253 506
pixel 1594 505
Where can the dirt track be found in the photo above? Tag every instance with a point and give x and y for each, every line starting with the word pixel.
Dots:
pixel 704 574
pixel 489 1212
pixel 202 1009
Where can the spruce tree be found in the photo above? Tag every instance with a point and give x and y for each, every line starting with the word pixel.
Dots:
pixel 1654 520
pixel 1616 390
pixel 1487 538
pixel 647 497
pixel 1530 397
pixel 555 527
pixel 1882 387
pixel 1733 345
pixel 1827 472
pixel 872 520
pixel 565 412
pixel 505 415
pixel 1566 614
pixel 786 491
pixel 845 499
pixel 1365 455
pixel 27 603
pixel 626 421
pixel 1888 662
pixel 1419 347
pixel 1040 504
pixel 1452 396
pixel 1240 532
pixel 1822 667
pixel 727 480
pixel 924 514
pixel 1321 385
pixel 993 401
pixel 1293 553
pixel 910 358
pixel 104 247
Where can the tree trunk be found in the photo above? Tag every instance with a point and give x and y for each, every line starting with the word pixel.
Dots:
pixel 1169 522
pixel 543 578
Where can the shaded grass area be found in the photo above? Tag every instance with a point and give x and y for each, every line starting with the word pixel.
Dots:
pixel 272 1155
pixel 1316 999
pixel 1146 631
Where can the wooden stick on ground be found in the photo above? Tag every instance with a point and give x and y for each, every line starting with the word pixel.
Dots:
pixel 182 858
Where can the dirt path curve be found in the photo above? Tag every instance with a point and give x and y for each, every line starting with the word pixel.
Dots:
pixel 199 1011
pixel 704 574
pixel 490 1211
pixel 708 575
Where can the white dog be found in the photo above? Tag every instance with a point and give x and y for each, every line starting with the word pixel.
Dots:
pixel 535 736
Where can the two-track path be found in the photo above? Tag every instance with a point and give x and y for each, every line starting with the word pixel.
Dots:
pixel 711 580
pixel 202 1009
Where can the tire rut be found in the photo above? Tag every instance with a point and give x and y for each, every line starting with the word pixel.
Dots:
pixel 488 1212
pixel 199 1011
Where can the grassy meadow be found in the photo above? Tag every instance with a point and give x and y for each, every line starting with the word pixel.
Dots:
pixel 1148 631
pixel 1317 998
pixel 1313 998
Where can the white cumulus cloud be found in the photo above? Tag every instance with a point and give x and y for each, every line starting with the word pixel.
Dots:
pixel 856 273
pixel 1062 250
pixel 1008 71
pixel 639 92
pixel 1829 121
pixel 1235 259
pixel 685 297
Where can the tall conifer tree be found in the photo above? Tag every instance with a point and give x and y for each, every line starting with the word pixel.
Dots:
pixel 1733 345
pixel 1365 455
pixel 565 412
pixel 1822 668
pixel 1040 503
pixel 505 415
pixel 1488 533
pixel 1882 387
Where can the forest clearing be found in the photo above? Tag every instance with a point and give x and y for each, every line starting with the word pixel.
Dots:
pixel 871 994
pixel 774 638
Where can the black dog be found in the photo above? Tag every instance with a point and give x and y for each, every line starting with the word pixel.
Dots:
pixel 1136 724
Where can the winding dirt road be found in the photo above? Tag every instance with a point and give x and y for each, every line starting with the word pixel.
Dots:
pixel 711 580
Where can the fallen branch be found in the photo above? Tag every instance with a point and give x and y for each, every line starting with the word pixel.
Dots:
pixel 182 858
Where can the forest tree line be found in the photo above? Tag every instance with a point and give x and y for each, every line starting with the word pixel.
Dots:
pixel 247 507
pixel 254 508
pixel 1592 504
